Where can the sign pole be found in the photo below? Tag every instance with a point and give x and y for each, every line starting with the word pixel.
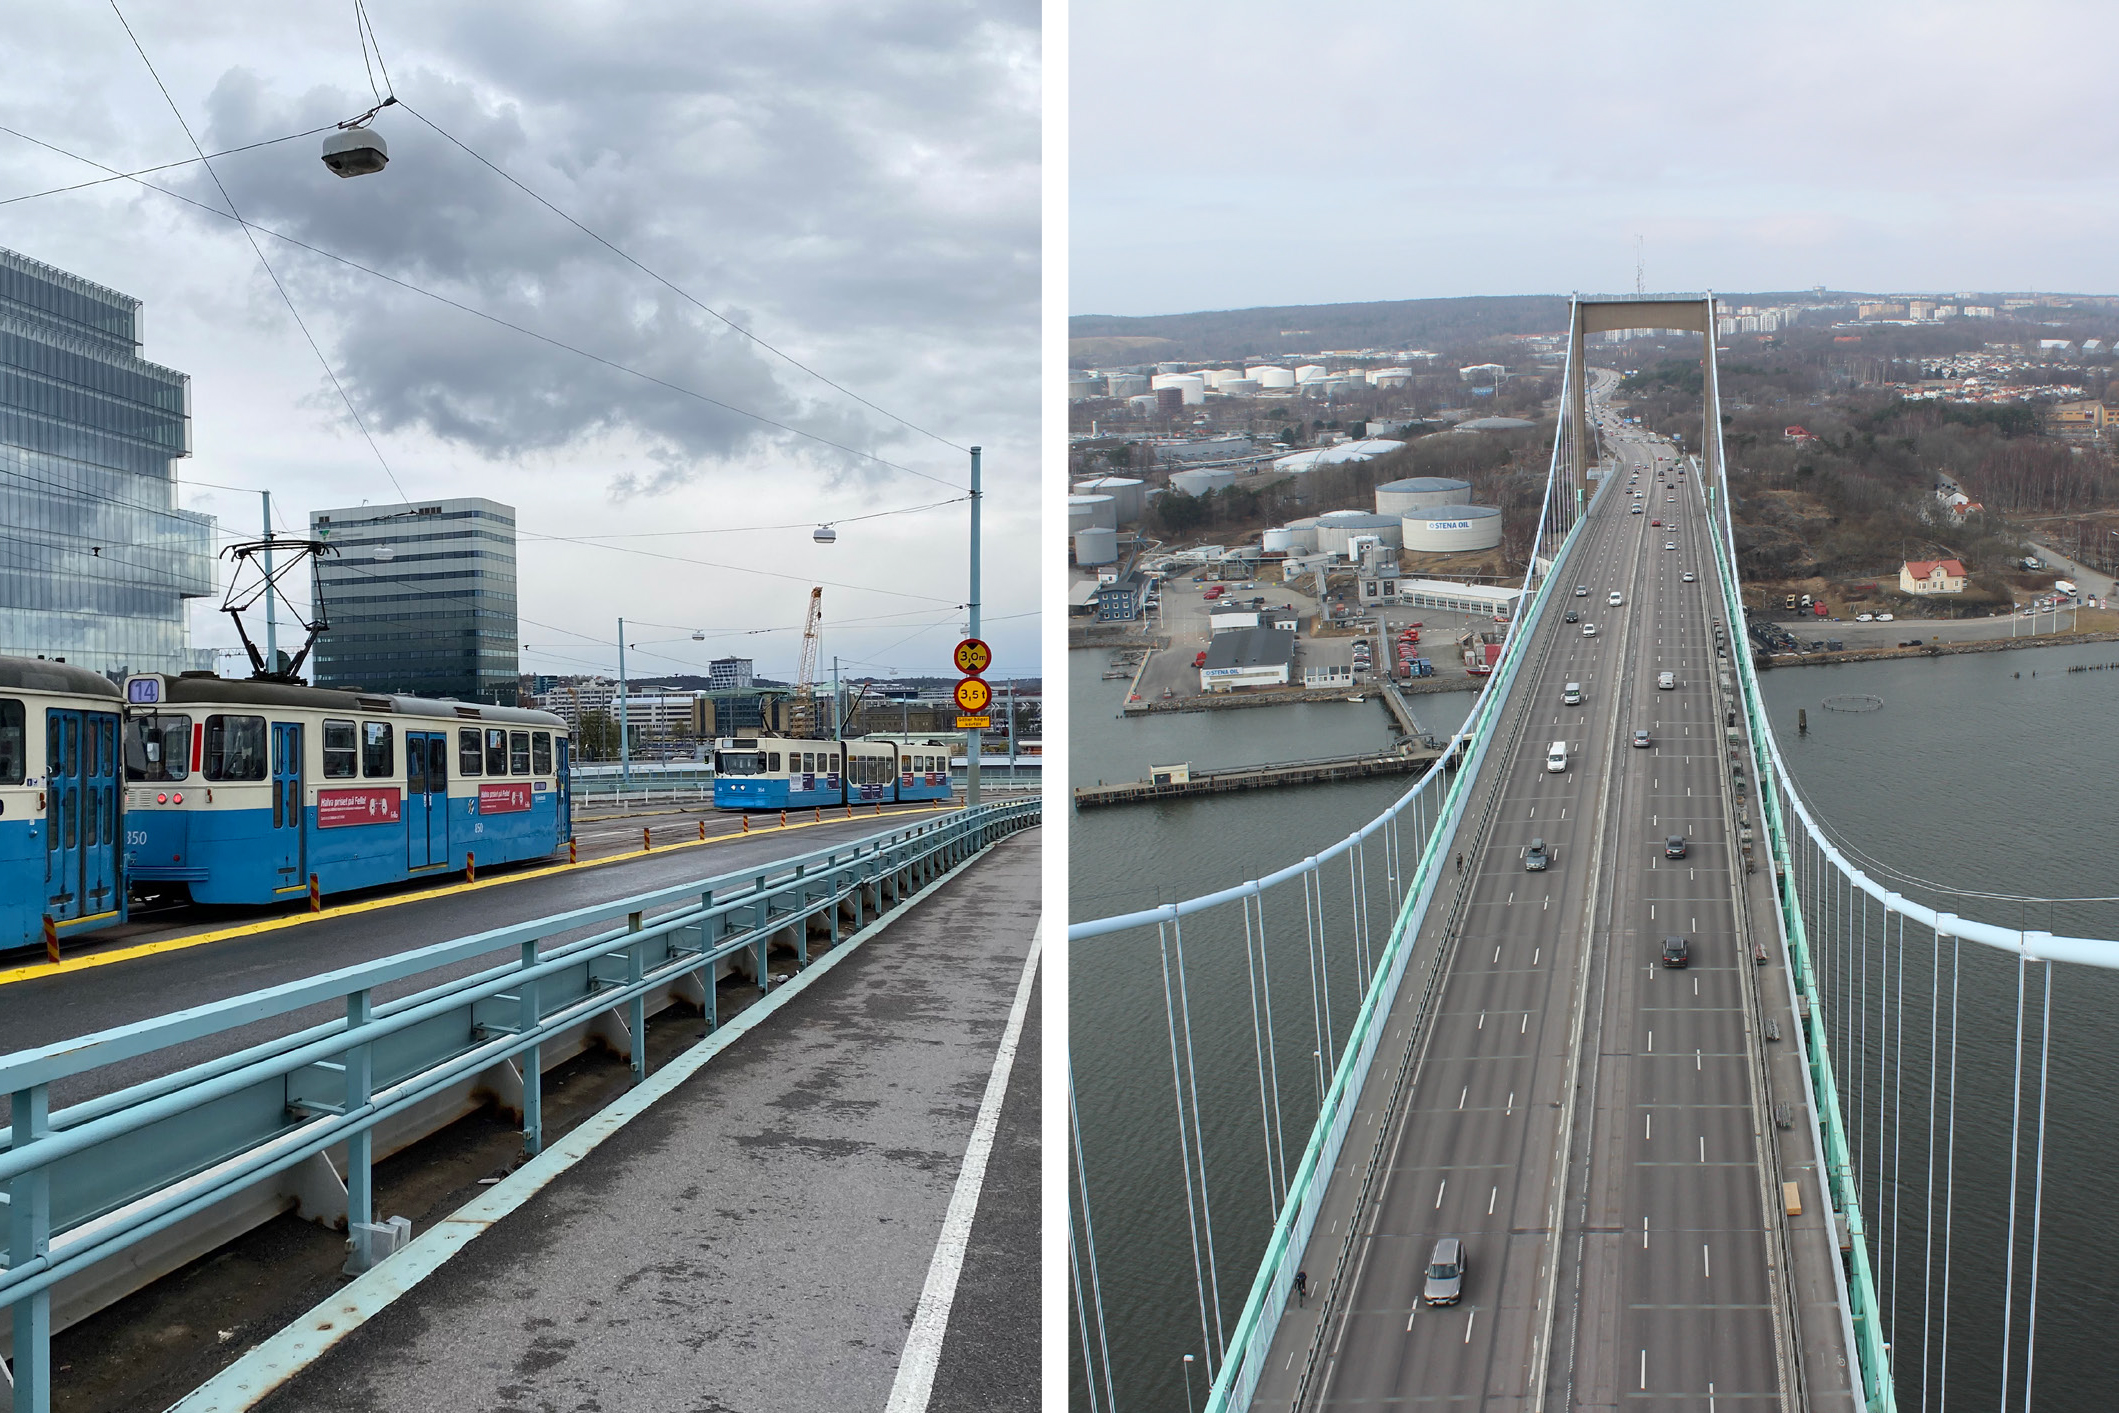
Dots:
pixel 971 734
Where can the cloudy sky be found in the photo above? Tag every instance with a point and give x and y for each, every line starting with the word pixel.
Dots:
pixel 854 184
pixel 1258 154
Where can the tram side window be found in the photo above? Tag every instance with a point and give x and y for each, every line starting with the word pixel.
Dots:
pixel 14 743
pixel 739 763
pixel 772 762
pixel 518 753
pixel 157 748
pixel 235 748
pixel 341 750
pixel 541 753
pixel 378 753
pixel 470 755
pixel 496 753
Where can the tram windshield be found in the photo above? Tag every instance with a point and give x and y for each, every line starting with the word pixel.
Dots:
pixel 157 748
pixel 739 762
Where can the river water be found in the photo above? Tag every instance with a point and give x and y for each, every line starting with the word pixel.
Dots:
pixel 1979 773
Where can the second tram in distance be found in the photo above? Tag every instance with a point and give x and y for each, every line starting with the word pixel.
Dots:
pixel 777 772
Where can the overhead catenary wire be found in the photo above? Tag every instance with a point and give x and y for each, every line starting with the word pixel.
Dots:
pixel 495 319
pixel 670 285
pixel 259 251
pixel 149 171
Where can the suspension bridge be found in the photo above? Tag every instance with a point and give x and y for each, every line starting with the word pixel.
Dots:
pixel 1688 1094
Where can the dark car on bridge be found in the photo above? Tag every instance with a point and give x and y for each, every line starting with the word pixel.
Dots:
pixel 1674 846
pixel 1676 952
pixel 1445 1273
pixel 1535 859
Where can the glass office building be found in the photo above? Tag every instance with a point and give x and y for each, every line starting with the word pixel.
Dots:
pixel 420 599
pixel 96 560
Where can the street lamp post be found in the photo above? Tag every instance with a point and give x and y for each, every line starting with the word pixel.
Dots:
pixel 625 754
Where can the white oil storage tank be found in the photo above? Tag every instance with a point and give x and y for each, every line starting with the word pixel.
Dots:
pixel 1127 384
pixel 1269 376
pixel 1096 545
pixel 1103 510
pixel 1453 529
pixel 1280 540
pixel 1142 404
pixel 1421 493
pixel 1200 480
pixel 1079 516
pixel 1335 529
pixel 1083 385
pixel 1305 533
pixel 1131 494
pixel 1309 373
pixel 1240 387
pixel 1190 385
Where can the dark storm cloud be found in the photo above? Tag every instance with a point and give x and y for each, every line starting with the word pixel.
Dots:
pixel 861 209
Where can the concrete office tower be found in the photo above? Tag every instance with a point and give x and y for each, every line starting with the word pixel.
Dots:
pixel 420 598
pixel 728 674
pixel 97 560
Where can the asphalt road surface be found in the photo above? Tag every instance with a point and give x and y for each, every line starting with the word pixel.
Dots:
pixel 1582 1116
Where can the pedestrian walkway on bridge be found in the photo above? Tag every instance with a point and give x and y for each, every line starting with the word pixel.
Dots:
pixel 781 1229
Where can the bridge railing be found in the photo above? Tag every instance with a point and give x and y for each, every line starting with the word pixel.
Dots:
pixel 149 1174
pixel 1433 808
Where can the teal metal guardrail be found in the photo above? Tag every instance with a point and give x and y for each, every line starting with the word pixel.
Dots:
pixel 1861 1307
pixel 85 1184
pixel 1243 1363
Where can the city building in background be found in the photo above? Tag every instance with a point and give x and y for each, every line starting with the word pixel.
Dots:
pixel 420 599
pixel 96 560
pixel 729 674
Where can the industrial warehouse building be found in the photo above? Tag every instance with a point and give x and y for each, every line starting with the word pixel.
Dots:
pixel 1248 657
pixel 1459 598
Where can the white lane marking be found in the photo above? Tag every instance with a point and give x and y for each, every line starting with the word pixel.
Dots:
pixel 1651 1042
pixel 1548 902
pixel 1524 1029
pixel 1651 909
pixel 922 1354
pixel 1460 1098
pixel 1438 1194
pixel 1648 1126
pixel 1468 1321
pixel 1706 1263
pixel 1497 954
pixel 1695 1059
pixel 1695 986
pixel 1492 1197
pixel 1535 953
pixel 1482 1020
pixel 1408 1329
pixel 1511 1103
pixel 1644 1371
pixel 1703 1147
pixel 1644 1233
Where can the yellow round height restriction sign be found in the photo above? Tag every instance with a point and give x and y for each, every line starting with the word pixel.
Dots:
pixel 973 657
pixel 972 696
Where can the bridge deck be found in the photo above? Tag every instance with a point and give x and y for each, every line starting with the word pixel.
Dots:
pixel 759 1238
pixel 1594 1125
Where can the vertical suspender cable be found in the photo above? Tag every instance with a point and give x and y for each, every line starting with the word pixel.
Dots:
pixel 1184 1145
pixel 1927 1222
pixel 1258 1047
pixel 1949 1183
pixel 1096 1280
pixel 1199 1143
pixel 1898 1120
pixel 1265 967
pixel 2045 1043
pixel 2008 1288
pixel 1324 969
pixel 1081 1315
pixel 1309 924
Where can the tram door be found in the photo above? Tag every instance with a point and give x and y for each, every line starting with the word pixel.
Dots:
pixel 287 832
pixel 565 789
pixel 427 797
pixel 81 814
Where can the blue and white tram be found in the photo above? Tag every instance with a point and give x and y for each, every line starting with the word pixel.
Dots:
pixel 923 768
pixel 61 813
pixel 777 773
pixel 242 791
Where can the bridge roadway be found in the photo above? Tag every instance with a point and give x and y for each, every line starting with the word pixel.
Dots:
pixel 801 1177
pixel 1584 1118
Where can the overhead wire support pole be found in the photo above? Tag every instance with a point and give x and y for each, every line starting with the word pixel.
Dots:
pixel 971 733
pixel 272 625
pixel 625 754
